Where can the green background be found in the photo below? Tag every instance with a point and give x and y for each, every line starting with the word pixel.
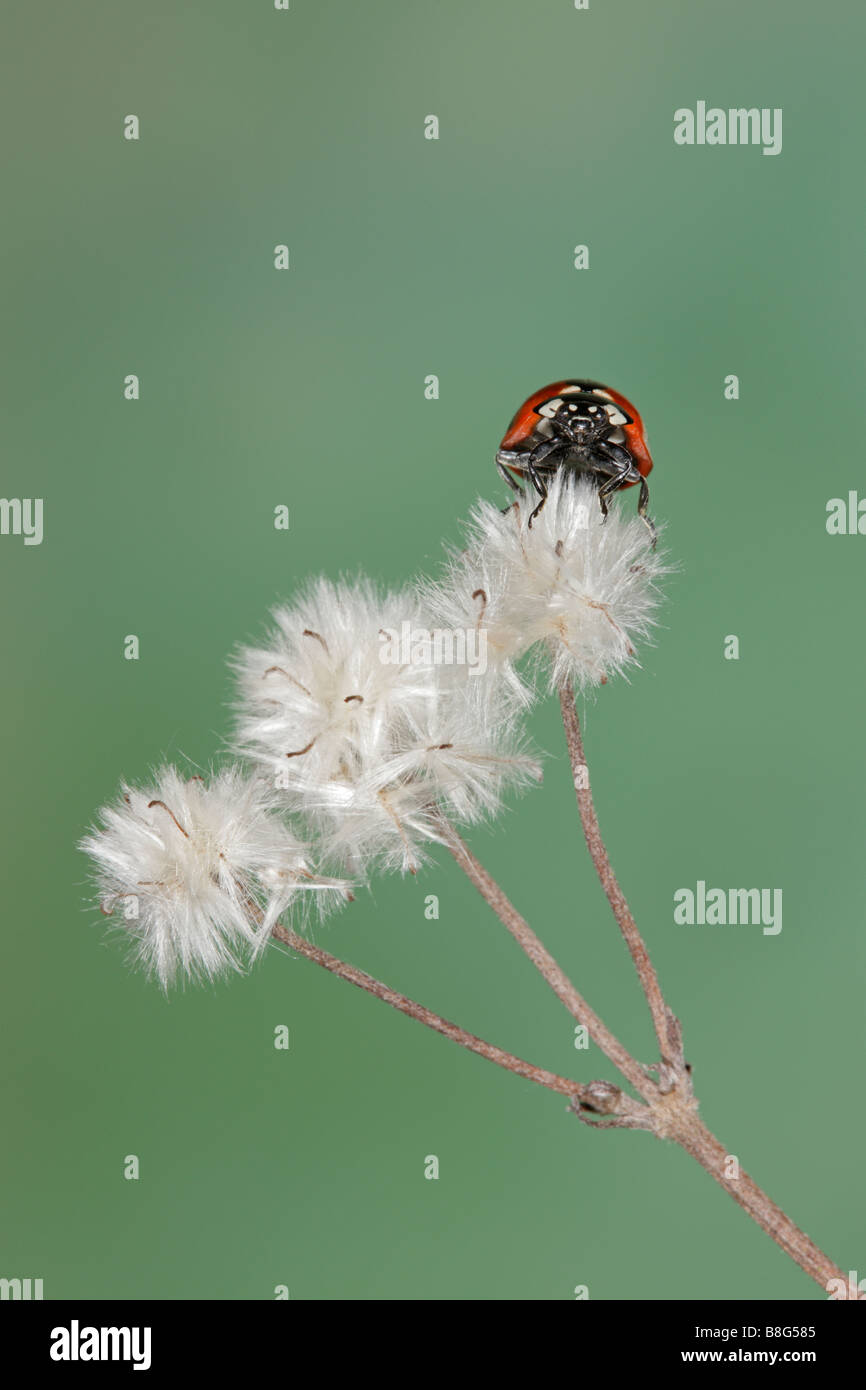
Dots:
pixel 305 387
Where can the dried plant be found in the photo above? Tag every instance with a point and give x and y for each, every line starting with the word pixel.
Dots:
pixel 380 723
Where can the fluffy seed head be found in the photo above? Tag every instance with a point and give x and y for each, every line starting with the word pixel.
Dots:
pixel 372 726
pixel 199 872
pixel 577 587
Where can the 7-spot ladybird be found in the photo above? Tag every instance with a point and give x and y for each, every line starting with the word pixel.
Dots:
pixel 585 427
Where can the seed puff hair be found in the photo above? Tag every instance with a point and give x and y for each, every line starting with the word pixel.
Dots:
pixel 577 589
pixel 200 871
pixel 370 747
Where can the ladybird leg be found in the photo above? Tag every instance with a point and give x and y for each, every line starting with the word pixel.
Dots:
pixel 616 481
pixel 515 487
pixel 643 502
pixel 610 486
pixel 544 450
pixel 541 489
pixel 623 464
pixel 605 491
pixel 616 454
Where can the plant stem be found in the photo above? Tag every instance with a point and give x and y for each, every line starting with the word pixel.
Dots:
pixel 573 1089
pixel 674 1109
pixel 669 1115
pixel 546 964
pixel 666 1025
pixel 671 1111
pixel 701 1144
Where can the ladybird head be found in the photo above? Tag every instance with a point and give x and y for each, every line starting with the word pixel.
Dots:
pixel 582 419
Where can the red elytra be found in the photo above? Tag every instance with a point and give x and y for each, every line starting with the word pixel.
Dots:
pixel 523 432
pixel 582 428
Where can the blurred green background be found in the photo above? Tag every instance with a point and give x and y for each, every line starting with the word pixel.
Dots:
pixel 305 387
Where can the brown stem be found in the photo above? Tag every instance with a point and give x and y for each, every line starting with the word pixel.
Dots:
pixel 563 1085
pixel 674 1111
pixel 712 1155
pixel 666 1025
pixel 546 964
pixel 578 1093
pixel 671 1112
pixel 679 1121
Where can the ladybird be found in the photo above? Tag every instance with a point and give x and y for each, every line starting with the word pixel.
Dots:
pixel 583 426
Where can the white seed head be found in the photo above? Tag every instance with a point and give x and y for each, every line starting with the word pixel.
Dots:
pixel 577 588
pixel 199 872
pixel 371 729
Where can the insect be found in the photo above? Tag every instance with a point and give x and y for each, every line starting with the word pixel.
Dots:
pixel 583 426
